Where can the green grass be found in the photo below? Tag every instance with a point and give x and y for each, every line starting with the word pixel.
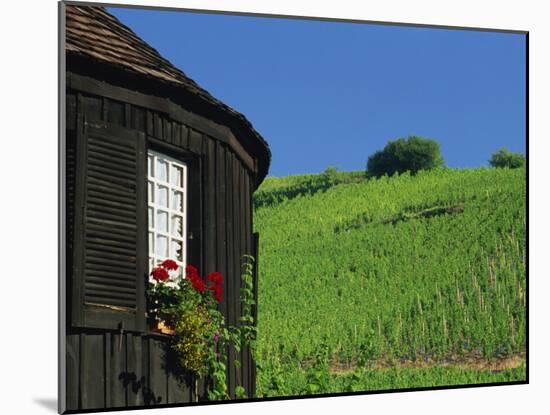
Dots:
pixel 404 268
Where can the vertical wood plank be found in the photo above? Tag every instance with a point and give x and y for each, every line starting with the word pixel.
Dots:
pixel 230 189
pixel 128 115
pixel 176 134
pixel 115 112
pixel 149 123
pixel 196 142
pixel 221 184
pixel 91 107
pixel 210 206
pixel 157 375
pixel 184 134
pixel 167 127
pixel 148 397
pixel 107 369
pixel 202 389
pixel 93 372
pixel 221 252
pixel 157 126
pixel 178 390
pixel 73 371
pixel 194 213
pixel 139 119
pixel 209 221
pixel 134 369
pixel 117 376
pixel 145 369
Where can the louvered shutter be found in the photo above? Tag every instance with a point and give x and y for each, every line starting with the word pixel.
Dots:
pixel 110 228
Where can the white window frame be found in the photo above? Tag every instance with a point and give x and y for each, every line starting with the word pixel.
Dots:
pixel 152 204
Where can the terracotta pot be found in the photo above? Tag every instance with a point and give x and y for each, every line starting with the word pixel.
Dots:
pixel 162 327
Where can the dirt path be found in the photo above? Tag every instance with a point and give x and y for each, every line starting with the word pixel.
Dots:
pixel 466 363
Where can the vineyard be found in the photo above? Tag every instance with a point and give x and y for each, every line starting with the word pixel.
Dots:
pixel 408 281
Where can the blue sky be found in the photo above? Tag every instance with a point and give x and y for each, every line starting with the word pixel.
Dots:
pixel 331 93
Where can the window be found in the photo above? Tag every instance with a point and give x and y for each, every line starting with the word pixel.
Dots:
pixel 138 208
pixel 166 209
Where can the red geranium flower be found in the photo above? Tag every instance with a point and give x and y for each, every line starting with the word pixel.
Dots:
pixel 169 265
pixel 215 277
pixel 192 274
pixel 218 292
pixel 160 274
pixel 191 271
pixel 198 284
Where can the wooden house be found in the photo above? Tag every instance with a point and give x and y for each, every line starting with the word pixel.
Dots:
pixel 154 167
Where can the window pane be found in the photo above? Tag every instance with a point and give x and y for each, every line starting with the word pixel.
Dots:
pixel 176 250
pixel 161 246
pixel 161 172
pixel 162 196
pixel 177 201
pixel 176 176
pixel 151 193
pixel 162 221
pixel 176 226
pixel 150 218
pixel 151 243
pixel 150 165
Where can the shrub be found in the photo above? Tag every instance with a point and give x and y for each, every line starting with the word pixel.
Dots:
pixel 405 154
pixel 330 176
pixel 505 158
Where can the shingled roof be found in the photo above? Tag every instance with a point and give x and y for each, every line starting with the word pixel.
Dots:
pixel 94 33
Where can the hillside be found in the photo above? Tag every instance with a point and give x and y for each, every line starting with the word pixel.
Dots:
pixel 391 283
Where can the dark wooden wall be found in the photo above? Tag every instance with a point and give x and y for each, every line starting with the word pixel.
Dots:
pixel 109 369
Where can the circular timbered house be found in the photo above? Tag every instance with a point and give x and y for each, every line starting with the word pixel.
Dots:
pixel 155 168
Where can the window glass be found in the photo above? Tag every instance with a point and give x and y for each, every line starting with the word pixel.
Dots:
pixel 176 176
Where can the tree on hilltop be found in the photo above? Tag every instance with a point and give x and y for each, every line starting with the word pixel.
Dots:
pixel 405 154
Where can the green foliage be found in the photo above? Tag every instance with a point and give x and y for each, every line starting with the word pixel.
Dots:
pixel 200 331
pixel 317 379
pixel 218 385
pixel 277 190
pixel 240 392
pixel 504 158
pixel 292 380
pixel 194 330
pixel 355 380
pixel 201 334
pixel 405 154
pixel 330 176
pixel 248 329
pixel 409 267
pixel 194 323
